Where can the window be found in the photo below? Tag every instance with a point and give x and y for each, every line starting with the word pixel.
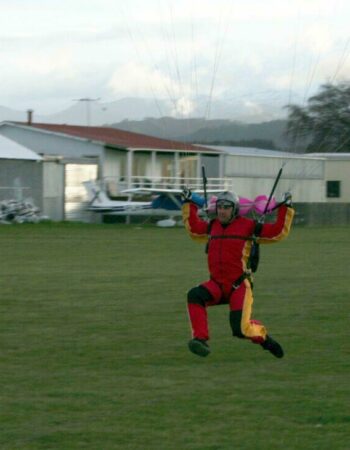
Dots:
pixel 333 189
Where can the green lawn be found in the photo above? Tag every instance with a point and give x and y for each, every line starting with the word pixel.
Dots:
pixel 94 331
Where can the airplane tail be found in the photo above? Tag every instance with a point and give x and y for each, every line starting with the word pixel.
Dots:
pixel 95 193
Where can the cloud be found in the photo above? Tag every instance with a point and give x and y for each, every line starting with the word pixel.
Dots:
pixel 183 107
pixel 317 38
pixel 253 107
pixel 166 49
pixel 133 79
pixel 58 63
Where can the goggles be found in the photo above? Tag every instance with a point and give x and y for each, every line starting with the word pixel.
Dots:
pixel 224 204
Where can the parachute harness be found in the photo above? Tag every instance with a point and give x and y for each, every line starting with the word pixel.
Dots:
pixel 253 260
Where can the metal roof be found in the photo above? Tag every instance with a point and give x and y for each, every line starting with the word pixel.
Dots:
pixel 331 156
pixel 118 138
pixel 253 151
pixel 11 150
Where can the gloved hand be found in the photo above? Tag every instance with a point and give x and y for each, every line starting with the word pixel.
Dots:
pixel 186 194
pixel 287 199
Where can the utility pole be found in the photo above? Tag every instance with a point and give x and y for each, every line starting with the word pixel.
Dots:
pixel 88 101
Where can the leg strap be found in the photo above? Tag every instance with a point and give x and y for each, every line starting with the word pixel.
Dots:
pixel 246 274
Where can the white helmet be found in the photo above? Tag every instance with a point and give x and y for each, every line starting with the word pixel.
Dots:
pixel 229 198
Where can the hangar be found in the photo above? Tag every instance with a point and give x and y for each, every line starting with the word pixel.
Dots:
pixel 20 172
pixel 119 159
pixel 319 182
pixel 71 155
pixel 337 176
pixel 251 171
pixel 312 177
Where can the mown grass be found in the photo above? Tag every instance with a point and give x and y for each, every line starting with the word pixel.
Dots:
pixel 94 335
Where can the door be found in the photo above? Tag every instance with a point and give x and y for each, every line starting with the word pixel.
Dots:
pixel 76 199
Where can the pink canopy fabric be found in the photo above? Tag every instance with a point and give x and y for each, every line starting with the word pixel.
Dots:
pixel 246 205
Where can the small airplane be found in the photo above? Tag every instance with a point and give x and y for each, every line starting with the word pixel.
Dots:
pixel 100 202
pixel 165 202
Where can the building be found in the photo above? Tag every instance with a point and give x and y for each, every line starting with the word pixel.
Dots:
pixel 119 159
pixel 252 171
pixel 337 176
pixel 20 172
pixel 319 182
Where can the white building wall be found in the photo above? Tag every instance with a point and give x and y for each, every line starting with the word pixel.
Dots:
pixel 53 190
pixel 268 166
pixel 339 170
pixel 46 143
pixel 302 190
pixel 252 175
pixel 157 169
pixel 21 180
pixel 150 166
pixel 113 163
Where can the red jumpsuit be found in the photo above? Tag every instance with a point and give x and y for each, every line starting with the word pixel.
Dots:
pixel 228 253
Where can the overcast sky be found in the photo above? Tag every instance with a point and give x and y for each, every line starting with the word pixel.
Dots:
pixel 54 51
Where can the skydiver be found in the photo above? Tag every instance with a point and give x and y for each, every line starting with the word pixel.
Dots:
pixel 229 244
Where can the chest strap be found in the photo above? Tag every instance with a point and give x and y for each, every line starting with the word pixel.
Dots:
pixel 231 236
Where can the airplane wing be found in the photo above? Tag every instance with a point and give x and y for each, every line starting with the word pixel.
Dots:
pixel 162 204
pixel 166 198
pixel 115 207
pixel 148 191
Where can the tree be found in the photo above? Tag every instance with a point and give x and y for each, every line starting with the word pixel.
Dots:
pixel 324 124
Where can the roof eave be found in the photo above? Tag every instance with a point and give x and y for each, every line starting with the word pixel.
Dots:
pixel 172 150
pixel 54 133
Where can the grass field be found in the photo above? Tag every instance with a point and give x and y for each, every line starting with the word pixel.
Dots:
pixel 94 332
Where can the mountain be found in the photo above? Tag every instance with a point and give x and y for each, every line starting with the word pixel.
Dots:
pixel 158 118
pixel 265 131
pixel 88 112
pixel 92 112
pixel 218 132
pixel 169 127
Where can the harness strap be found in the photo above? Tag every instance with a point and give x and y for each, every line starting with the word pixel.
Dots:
pixel 241 278
pixel 258 229
pixel 231 236
pixel 236 284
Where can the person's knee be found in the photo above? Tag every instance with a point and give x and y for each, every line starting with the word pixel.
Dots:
pixel 198 295
pixel 235 322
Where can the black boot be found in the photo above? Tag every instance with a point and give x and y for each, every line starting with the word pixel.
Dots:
pixel 199 347
pixel 272 346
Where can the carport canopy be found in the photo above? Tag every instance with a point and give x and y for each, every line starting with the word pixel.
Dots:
pixel 12 150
